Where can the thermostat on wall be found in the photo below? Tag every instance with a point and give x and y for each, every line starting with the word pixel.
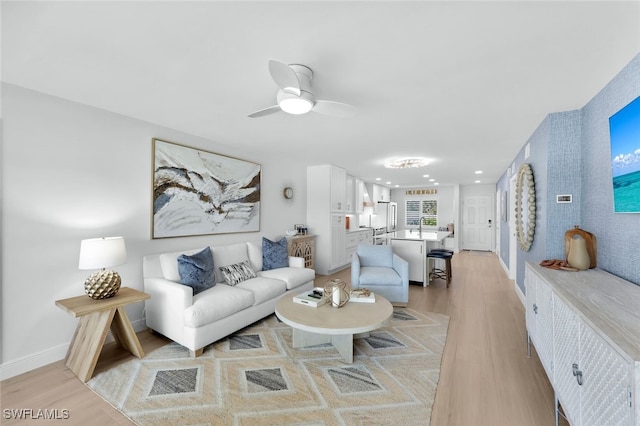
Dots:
pixel 563 198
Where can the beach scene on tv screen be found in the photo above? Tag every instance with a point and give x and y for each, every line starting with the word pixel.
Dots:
pixel 624 128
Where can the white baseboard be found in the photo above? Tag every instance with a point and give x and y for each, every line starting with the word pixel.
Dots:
pixel 31 362
pixel 516 287
pixel 519 293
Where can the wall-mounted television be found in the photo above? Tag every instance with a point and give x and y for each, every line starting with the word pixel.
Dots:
pixel 624 130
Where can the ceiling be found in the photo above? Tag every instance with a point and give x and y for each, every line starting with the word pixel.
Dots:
pixel 463 84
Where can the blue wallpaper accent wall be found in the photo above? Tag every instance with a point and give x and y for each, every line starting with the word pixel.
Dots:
pixel 564 177
pixel 570 153
pixel 618 235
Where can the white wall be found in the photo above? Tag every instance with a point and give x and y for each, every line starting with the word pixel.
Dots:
pixel 71 172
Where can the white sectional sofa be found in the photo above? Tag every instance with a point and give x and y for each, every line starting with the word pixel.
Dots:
pixel 196 321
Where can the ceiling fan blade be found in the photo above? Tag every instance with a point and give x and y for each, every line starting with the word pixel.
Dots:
pixel 266 111
pixel 284 76
pixel 336 109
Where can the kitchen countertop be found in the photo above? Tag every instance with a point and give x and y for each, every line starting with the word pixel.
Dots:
pixel 415 235
pixel 359 229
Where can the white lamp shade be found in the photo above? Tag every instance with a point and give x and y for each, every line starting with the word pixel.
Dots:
pixel 97 253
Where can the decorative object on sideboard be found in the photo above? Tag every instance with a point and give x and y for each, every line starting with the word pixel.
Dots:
pixel 102 253
pixel 525 207
pixel 578 257
pixel 336 293
pixel 291 232
pixel 589 242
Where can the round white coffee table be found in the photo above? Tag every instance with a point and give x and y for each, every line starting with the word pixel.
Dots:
pixel 327 324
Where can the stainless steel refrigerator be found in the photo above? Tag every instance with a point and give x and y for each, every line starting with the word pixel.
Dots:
pixel 387 215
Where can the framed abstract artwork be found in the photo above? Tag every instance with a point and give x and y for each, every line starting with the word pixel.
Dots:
pixel 197 192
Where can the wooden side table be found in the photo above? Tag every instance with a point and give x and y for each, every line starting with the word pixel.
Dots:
pixel 96 317
pixel 303 246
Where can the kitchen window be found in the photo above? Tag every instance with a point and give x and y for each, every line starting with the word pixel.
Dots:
pixel 425 209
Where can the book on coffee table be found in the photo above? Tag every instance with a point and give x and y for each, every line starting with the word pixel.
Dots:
pixel 312 298
pixel 362 296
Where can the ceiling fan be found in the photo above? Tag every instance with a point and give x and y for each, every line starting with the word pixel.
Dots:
pixel 294 95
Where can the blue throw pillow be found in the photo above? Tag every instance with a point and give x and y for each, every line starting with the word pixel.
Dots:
pixel 274 254
pixel 197 270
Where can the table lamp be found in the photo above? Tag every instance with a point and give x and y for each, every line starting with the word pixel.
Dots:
pixel 101 253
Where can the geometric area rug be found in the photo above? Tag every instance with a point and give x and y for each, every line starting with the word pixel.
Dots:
pixel 254 377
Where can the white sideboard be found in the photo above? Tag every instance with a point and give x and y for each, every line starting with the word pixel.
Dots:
pixel 585 327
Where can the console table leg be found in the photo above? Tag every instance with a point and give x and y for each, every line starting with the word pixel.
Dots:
pixel 124 333
pixel 87 342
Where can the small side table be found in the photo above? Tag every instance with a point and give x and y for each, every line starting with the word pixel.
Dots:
pixel 96 317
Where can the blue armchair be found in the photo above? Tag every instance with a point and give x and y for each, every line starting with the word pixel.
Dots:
pixel 378 269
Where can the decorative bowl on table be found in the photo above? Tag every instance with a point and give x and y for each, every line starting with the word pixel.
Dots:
pixel 291 232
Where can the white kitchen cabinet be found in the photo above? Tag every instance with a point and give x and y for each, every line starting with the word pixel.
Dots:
pixel 351 194
pixel 338 181
pixel 592 342
pixel 359 195
pixel 414 252
pixel 326 194
pixel 337 241
pixel 353 238
pixel 378 193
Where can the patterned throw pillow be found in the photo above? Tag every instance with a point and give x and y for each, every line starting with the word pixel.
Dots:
pixel 274 254
pixel 197 271
pixel 236 273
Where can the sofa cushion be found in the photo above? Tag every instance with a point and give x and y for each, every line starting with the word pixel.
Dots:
pixel 378 275
pixel 254 250
pixel 375 255
pixel 263 289
pixel 216 303
pixel 293 277
pixel 197 271
pixel 274 254
pixel 236 273
pixel 228 255
pixel 169 264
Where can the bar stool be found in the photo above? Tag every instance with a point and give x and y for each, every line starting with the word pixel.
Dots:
pixel 443 250
pixel 439 273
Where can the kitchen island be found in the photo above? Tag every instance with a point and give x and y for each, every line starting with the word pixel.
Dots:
pixel 413 246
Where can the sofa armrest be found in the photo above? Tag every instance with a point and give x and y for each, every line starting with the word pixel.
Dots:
pixel 164 311
pixel 401 266
pixel 296 262
pixel 355 271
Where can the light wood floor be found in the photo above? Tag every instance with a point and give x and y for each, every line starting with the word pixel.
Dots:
pixel 486 377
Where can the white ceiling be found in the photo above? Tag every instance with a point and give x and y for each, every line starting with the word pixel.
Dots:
pixel 462 83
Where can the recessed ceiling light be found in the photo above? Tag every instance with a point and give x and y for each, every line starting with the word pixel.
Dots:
pixel 425 176
pixel 478 172
pixel 406 163
pixel 436 183
pixel 397 186
pixel 378 178
pixel 432 180
pixel 388 182
pixel 477 181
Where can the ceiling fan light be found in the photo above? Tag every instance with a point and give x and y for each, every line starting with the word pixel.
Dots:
pixel 296 105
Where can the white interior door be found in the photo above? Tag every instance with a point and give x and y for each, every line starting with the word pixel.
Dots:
pixel 477 227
